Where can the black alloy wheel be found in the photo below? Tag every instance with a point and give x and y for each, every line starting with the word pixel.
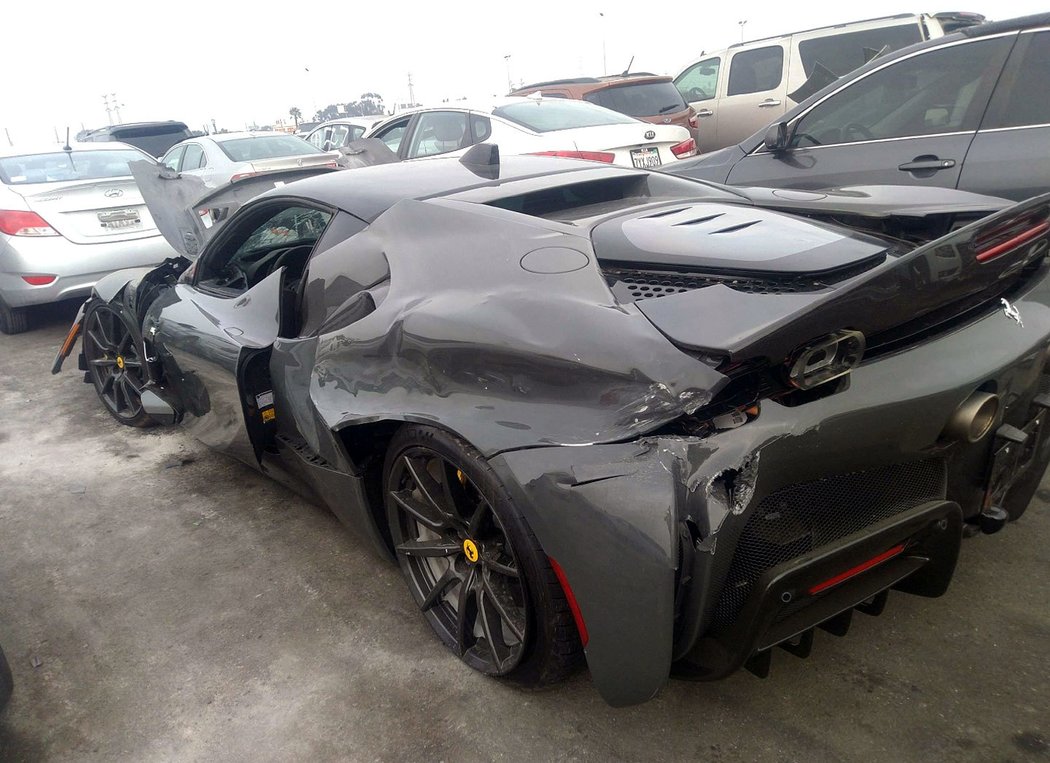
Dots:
pixel 115 364
pixel 472 565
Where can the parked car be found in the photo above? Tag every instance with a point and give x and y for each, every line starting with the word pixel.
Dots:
pixel 67 218
pixel 738 90
pixel 152 137
pixel 957 112
pixel 535 125
pixel 338 133
pixel 219 158
pixel 649 97
pixel 606 411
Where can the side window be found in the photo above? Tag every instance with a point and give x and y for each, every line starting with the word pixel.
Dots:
pixel 393 134
pixel 840 54
pixel 1020 98
pixel 940 91
pixel 266 239
pixel 338 138
pixel 172 158
pixel 193 157
pixel 700 81
pixel 756 71
pixel 356 132
pixel 481 127
pixel 439 132
pixel 316 138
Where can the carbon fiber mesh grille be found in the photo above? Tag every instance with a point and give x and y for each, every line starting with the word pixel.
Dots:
pixel 796 520
pixel 630 285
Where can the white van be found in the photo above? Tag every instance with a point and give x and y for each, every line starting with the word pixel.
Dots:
pixel 737 91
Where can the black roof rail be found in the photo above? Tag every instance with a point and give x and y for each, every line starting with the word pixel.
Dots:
pixel 569 81
pixel 1007 25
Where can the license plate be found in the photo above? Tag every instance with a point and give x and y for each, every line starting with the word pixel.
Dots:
pixel 121 218
pixel 645 158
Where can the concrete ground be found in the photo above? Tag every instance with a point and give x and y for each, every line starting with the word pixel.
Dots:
pixel 159 602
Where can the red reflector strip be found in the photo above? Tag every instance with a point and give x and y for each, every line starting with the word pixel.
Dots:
pixel 875 561
pixel 39 280
pixel 1020 238
pixel 571 598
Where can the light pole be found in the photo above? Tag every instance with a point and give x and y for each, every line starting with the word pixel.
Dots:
pixel 741 24
pixel 605 69
pixel 510 82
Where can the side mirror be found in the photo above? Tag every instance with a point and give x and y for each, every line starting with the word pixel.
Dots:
pixel 776 137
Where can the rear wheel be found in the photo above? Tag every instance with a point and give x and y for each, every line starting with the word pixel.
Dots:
pixel 115 364
pixel 471 562
pixel 13 320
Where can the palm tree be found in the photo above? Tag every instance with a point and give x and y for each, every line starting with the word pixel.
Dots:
pixel 295 114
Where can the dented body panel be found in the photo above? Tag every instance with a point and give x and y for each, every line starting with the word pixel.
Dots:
pixel 654 440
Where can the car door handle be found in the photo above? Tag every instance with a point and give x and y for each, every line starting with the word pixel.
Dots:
pixel 768 102
pixel 705 113
pixel 927 163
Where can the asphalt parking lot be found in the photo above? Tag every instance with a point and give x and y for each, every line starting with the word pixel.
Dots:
pixel 158 601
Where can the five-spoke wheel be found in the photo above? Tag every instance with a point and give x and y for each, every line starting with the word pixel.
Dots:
pixel 115 364
pixel 472 564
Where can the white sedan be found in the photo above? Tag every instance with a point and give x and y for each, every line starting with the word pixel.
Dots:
pixel 223 157
pixel 534 125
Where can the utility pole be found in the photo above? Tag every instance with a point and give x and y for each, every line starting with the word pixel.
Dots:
pixel 510 82
pixel 109 109
pixel 411 92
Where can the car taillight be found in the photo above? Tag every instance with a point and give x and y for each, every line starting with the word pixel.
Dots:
pixel 15 223
pixel 686 148
pixel 242 176
pixel 592 156
pixel 333 165
pixel 39 280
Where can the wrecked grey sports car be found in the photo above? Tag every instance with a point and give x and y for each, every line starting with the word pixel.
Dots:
pixel 606 411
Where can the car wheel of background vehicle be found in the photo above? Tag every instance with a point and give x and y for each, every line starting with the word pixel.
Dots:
pixel 13 320
pixel 115 365
pixel 472 564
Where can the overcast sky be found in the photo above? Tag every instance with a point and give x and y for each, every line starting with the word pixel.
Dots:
pixel 244 61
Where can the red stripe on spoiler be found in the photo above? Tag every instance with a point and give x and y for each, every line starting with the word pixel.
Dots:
pixel 1020 238
pixel 854 571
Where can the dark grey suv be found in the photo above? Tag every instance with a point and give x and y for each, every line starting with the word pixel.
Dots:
pixel 967 111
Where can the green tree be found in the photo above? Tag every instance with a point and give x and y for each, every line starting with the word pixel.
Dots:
pixel 295 114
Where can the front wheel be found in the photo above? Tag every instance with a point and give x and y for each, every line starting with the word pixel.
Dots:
pixel 115 363
pixel 13 320
pixel 471 562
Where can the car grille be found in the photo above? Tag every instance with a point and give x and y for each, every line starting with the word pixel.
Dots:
pixel 630 285
pixel 802 518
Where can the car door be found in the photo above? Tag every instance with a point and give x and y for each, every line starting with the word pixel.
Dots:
pixel 698 84
pixel 909 122
pixel 193 160
pixel 755 93
pixel 1010 155
pixel 214 333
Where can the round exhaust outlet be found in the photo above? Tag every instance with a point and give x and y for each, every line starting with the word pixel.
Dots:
pixel 974 418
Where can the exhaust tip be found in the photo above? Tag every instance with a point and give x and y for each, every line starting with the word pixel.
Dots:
pixel 974 418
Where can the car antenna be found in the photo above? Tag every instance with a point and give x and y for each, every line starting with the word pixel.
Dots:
pixel 69 151
pixel 628 69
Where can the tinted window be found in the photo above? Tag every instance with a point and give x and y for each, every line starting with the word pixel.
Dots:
pixel 1021 99
pixel 647 99
pixel 439 132
pixel 755 71
pixel 172 158
pixel 61 166
pixel 154 139
pixel 266 147
pixel 840 54
pixel 481 127
pixel 548 116
pixel 194 158
pixel 930 93
pixel 394 134
pixel 700 81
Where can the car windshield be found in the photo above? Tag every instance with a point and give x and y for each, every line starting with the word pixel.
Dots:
pixel 645 99
pixel 266 147
pixel 63 166
pixel 557 114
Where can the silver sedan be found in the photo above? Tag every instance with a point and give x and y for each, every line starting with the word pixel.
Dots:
pixel 68 216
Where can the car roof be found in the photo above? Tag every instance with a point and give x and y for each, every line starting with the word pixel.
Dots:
pixel 1018 24
pixel 357 121
pixel 220 137
pixel 482 106
pixel 367 192
pixel 590 84
pixel 51 148
pixel 136 125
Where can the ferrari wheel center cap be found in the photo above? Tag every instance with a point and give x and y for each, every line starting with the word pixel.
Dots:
pixel 470 550
pixel 120 362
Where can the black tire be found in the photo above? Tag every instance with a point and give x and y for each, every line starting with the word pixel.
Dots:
pixel 7 683
pixel 13 320
pixel 116 368
pixel 440 496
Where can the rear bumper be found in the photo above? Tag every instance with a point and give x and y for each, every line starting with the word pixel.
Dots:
pixel 77 267
pixel 658 537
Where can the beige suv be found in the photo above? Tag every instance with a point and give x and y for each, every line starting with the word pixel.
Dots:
pixel 737 91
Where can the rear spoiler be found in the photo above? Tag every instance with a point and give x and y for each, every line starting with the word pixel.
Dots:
pixel 916 291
